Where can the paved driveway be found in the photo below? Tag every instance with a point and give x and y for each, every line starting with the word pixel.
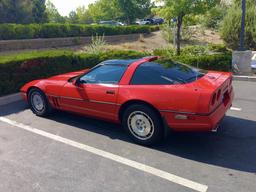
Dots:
pixel 71 153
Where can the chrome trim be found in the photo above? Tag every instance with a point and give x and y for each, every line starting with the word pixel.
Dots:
pixel 72 98
pixel 77 99
pixel 103 102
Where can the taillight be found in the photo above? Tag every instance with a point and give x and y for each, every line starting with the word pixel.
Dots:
pixel 213 98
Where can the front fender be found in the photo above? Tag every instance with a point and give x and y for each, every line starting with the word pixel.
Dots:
pixel 36 83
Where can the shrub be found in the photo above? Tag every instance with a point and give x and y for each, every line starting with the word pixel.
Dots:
pixel 218 48
pixel 97 44
pixel 53 30
pixel 16 70
pixel 194 50
pixel 217 62
pixel 199 56
pixel 230 30
pixel 214 16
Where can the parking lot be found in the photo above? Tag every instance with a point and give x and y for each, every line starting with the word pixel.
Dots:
pixel 67 152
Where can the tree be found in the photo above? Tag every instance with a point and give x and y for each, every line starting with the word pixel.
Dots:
pixel 83 15
pixel 53 14
pixel 133 9
pixel 15 11
pixel 214 16
pixel 180 8
pixel 104 10
pixel 39 13
pixel 231 26
pixel 72 17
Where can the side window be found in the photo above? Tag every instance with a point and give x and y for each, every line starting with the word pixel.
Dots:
pixel 150 74
pixel 105 74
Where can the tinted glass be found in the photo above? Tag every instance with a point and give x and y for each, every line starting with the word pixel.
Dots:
pixel 105 74
pixel 169 73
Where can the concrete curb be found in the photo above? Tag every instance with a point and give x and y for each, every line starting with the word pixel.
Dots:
pixel 244 78
pixel 10 99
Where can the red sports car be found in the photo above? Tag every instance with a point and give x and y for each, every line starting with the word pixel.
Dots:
pixel 146 97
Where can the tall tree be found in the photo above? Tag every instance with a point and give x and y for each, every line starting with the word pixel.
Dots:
pixel 39 11
pixel 83 15
pixel 104 10
pixel 53 14
pixel 15 11
pixel 180 8
pixel 132 9
pixel 72 17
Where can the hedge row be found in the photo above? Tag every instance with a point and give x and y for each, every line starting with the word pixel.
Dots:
pixel 211 57
pixel 50 30
pixel 16 70
pixel 216 62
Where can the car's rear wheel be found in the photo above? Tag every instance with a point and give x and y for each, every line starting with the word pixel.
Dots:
pixel 38 102
pixel 143 124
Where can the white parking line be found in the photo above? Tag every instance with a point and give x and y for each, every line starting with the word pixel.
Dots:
pixel 142 167
pixel 235 109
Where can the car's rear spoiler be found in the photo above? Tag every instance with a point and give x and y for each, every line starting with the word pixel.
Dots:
pixel 150 58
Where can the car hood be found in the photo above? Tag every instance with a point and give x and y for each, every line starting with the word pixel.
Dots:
pixel 53 84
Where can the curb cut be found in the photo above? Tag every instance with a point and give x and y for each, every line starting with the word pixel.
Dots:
pixel 244 78
pixel 5 100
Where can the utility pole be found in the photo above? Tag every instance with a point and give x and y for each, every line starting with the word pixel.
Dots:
pixel 242 32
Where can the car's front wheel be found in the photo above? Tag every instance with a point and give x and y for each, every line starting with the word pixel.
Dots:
pixel 143 124
pixel 38 102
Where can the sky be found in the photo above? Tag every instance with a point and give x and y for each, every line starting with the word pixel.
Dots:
pixel 65 6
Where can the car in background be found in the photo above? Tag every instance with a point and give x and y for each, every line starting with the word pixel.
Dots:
pixel 145 22
pixel 113 23
pixel 158 21
pixel 144 96
pixel 150 21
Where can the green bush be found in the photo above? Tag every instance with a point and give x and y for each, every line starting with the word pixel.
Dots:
pixel 214 16
pixel 230 30
pixel 216 62
pixel 53 30
pixel 16 70
pixel 212 57
pixel 193 50
pixel 218 48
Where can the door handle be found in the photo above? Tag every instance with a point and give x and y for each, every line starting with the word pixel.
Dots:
pixel 110 92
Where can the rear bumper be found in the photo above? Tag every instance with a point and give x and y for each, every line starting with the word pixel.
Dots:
pixel 198 122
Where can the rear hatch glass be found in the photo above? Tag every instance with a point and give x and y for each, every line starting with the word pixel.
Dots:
pixel 166 72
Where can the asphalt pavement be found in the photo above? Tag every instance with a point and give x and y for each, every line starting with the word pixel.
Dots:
pixel 66 152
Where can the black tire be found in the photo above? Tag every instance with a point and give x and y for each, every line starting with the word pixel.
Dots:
pixel 138 127
pixel 44 109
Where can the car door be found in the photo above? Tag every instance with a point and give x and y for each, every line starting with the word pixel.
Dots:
pixel 96 92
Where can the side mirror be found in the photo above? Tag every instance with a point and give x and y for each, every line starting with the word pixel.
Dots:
pixel 76 82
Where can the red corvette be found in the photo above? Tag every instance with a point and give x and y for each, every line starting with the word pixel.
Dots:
pixel 142 95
